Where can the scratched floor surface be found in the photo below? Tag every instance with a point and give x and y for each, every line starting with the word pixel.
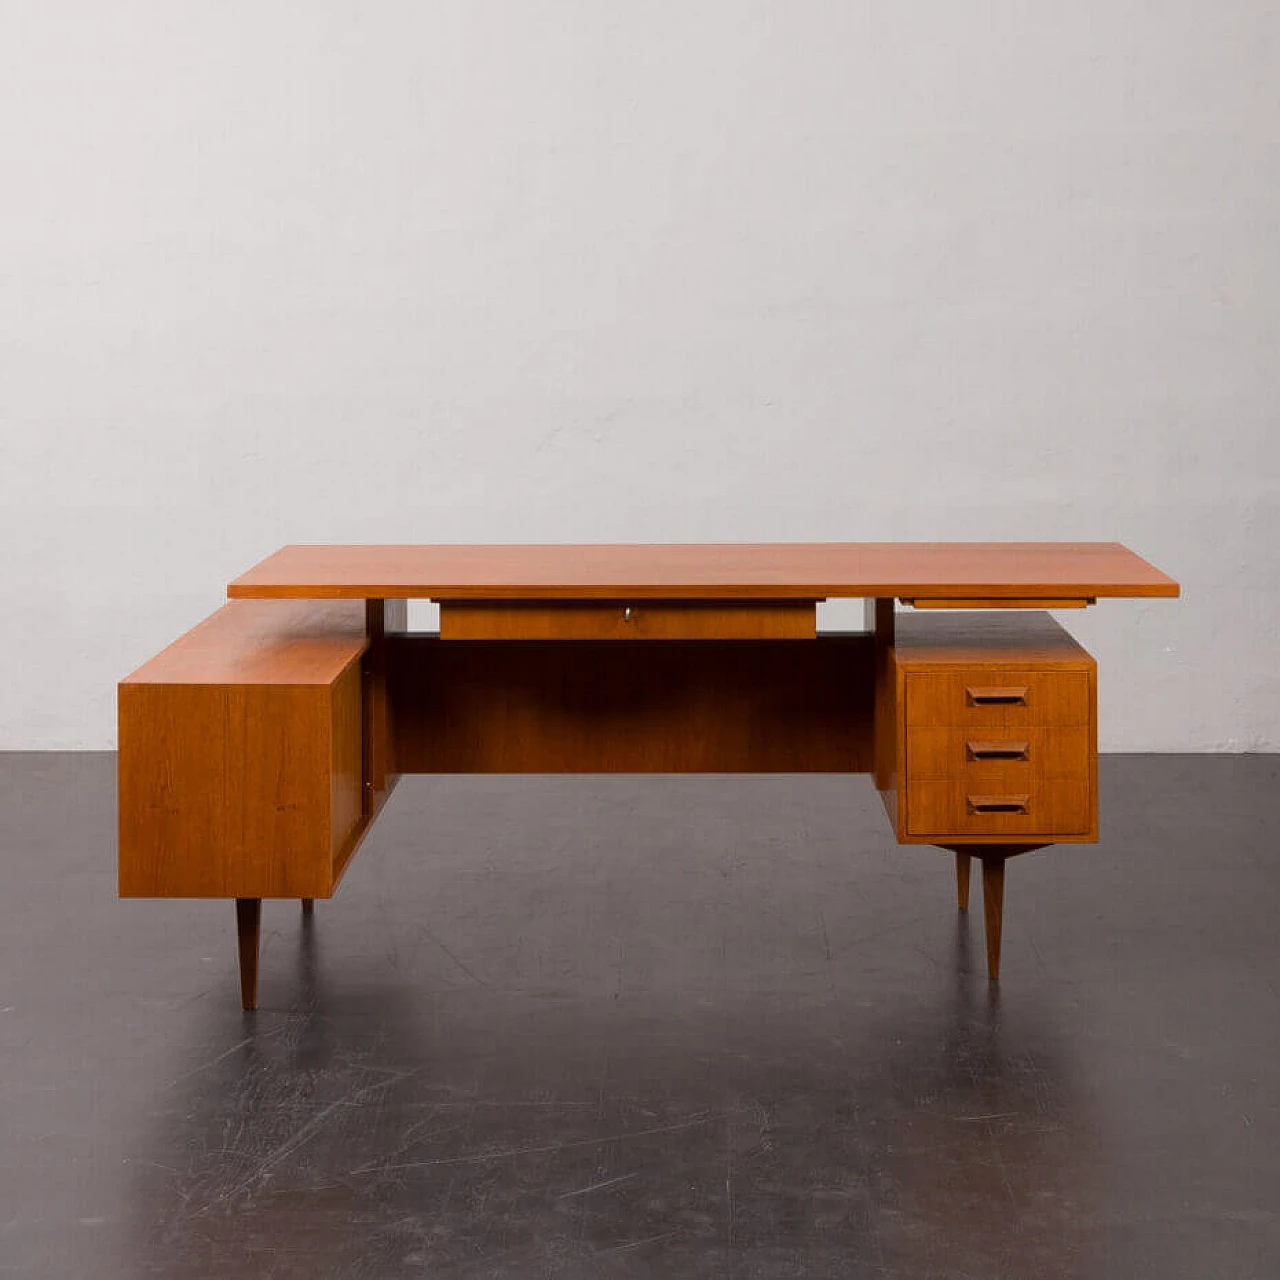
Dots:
pixel 619 1027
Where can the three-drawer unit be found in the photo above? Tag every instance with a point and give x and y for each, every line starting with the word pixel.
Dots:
pixel 987 731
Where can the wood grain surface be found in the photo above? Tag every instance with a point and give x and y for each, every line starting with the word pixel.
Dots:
pixel 960 640
pixel 262 642
pixel 582 706
pixel 240 761
pixel 613 620
pixel 1026 571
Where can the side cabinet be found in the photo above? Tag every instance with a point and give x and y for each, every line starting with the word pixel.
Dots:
pixel 240 762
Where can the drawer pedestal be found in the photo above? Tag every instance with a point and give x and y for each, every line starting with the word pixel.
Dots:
pixel 986 741
pixel 986 731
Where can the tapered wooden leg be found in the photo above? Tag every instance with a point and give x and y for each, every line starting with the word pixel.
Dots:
pixel 962 880
pixel 993 907
pixel 308 906
pixel 248 923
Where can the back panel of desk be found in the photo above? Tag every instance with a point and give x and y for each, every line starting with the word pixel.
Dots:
pixel 631 707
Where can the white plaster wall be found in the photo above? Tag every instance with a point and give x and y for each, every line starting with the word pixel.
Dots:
pixel 575 270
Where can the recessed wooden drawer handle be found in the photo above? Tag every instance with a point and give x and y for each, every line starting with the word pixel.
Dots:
pixel 997 804
pixel 1012 697
pixel 999 750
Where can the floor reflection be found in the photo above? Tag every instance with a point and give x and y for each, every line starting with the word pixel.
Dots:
pixel 366 1129
pixel 644 1027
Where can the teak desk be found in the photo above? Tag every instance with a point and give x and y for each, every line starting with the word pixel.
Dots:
pixel 256 750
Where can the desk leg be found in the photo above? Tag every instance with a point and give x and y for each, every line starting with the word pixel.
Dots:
pixel 248 923
pixel 308 907
pixel 993 857
pixel 993 908
pixel 962 880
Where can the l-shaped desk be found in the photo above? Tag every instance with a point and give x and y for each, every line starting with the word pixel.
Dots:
pixel 256 751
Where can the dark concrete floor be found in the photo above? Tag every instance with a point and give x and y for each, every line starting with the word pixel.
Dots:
pixel 652 1027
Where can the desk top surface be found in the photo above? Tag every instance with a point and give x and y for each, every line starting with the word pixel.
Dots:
pixel 798 570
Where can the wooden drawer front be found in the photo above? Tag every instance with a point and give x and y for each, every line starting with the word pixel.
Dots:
pixel 957 807
pixel 617 620
pixel 998 698
pixel 994 761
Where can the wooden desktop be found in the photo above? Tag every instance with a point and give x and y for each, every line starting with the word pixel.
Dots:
pixel 255 751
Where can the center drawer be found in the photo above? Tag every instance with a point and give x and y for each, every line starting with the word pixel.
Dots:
pixel 623 620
